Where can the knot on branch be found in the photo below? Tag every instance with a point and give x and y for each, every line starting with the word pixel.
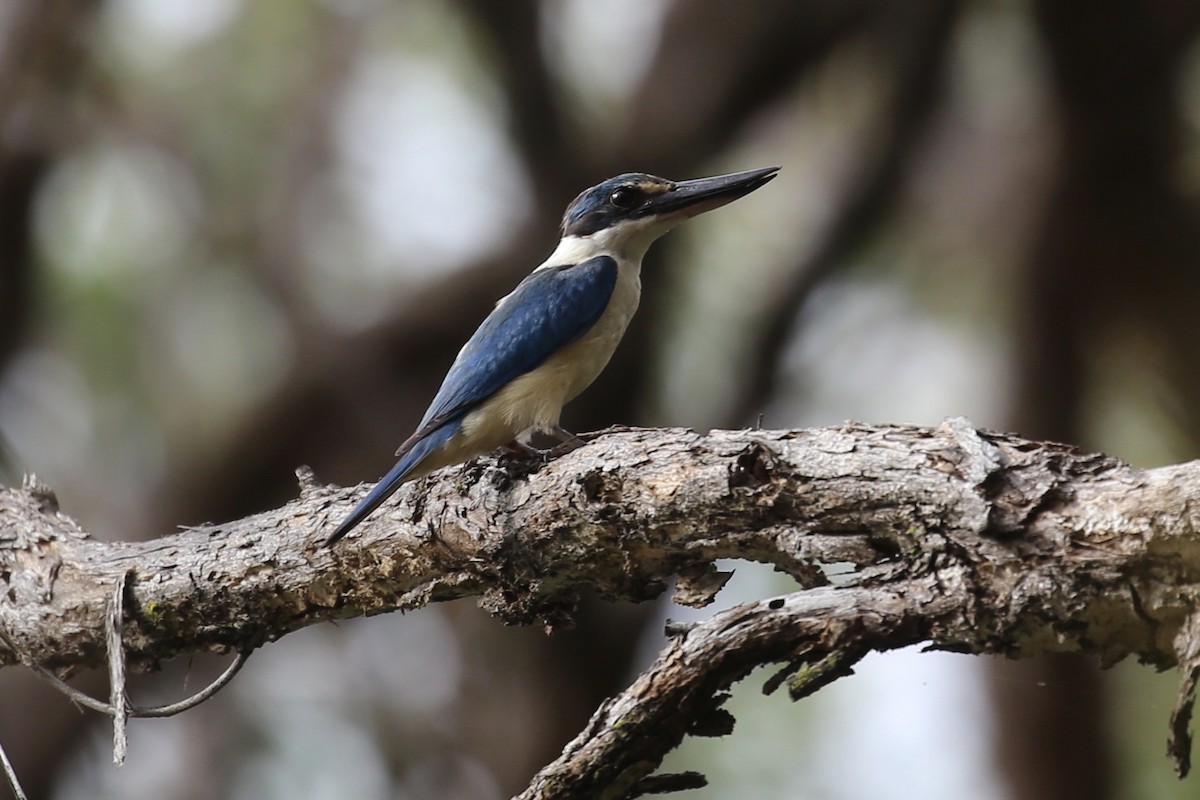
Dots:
pixel 514 606
pixel 1015 480
pixel 41 493
pixel 753 468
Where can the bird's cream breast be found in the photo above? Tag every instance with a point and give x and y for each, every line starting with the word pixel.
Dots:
pixel 584 359
pixel 536 399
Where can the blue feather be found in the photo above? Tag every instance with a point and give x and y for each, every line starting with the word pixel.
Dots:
pixel 548 310
pixel 551 308
pixel 389 483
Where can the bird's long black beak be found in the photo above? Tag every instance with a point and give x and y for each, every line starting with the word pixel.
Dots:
pixel 689 198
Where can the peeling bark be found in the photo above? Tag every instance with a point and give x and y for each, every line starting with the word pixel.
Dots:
pixel 968 540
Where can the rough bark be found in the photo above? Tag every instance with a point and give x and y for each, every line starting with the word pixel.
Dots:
pixel 968 540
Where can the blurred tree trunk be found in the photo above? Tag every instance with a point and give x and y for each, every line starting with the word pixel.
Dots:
pixel 42 53
pixel 1116 246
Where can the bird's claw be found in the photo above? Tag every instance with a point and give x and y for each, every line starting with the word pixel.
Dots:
pixel 568 442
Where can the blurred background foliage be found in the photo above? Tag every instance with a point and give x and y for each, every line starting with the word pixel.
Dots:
pixel 237 237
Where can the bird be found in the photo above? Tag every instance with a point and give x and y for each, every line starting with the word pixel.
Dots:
pixel 546 341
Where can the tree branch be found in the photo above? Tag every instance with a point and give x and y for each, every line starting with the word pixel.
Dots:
pixel 819 634
pixel 971 541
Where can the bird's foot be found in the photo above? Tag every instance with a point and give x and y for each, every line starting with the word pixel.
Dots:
pixel 567 441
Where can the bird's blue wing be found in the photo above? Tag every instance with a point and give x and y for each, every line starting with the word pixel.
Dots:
pixel 551 308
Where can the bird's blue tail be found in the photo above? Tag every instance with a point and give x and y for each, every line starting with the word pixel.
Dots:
pixel 396 476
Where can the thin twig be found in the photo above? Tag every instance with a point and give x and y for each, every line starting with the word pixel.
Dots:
pixel 172 709
pixel 116 670
pixel 11 774
pixel 144 712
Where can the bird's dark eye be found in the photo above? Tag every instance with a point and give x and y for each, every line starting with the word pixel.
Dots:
pixel 623 197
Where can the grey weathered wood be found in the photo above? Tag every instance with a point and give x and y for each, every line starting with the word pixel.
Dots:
pixel 972 541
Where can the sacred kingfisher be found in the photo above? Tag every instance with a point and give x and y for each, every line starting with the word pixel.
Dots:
pixel 547 341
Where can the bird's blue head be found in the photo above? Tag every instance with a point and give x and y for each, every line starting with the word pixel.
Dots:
pixel 638 196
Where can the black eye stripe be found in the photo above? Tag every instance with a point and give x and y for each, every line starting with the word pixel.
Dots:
pixel 622 197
